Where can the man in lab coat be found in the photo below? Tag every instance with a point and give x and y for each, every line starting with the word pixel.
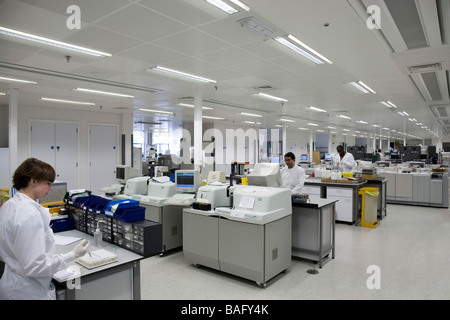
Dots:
pixel 344 160
pixel 292 176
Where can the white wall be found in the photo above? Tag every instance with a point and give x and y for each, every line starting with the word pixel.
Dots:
pixel 82 118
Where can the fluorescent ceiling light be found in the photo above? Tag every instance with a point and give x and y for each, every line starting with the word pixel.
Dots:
pixel 316 109
pixel 406 114
pixel 2 94
pixel 360 121
pixel 241 4
pixel 17 80
pixel 343 117
pixel 375 125
pixel 331 128
pixel 303 128
pixel 320 131
pixel 313 124
pixel 309 55
pixel 345 130
pixel 249 122
pixel 298 50
pixel 287 120
pixel 389 104
pixel 104 92
pixel 68 101
pixel 50 42
pixel 223 6
pixel 270 97
pixel 366 87
pixel 215 118
pixel 361 87
pixel 155 111
pixel 251 114
pixel 192 106
pixel 181 74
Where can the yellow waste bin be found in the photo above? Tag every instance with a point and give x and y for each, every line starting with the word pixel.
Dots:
pixel 369 207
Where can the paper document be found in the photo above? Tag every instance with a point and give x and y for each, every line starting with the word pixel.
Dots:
pixel 161 179
pixel 64 241
pixel 247 202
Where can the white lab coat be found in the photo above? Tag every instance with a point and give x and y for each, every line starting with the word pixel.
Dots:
pixel 27 246
pixel 346 164
pixel 293 179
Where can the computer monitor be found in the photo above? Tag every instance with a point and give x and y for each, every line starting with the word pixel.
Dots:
pixel 187 181
pixel 125 172
pixel 328 156
pixel 303 158
pixel 265 175
pixel 276 159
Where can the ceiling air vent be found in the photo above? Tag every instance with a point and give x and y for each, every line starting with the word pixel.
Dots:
pixel 264 88
pixel 425 68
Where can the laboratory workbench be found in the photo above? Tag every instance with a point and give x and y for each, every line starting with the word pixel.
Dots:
pixel 313 229
pixel 119 280
pixel 348 205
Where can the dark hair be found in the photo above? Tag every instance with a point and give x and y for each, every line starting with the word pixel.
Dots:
pixel 340 147
pixel 290 155
pixel 32 168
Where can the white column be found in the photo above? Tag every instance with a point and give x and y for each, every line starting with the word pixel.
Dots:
pixel 127 130
pixel 198 127
pixel 13 129
pixel 284 143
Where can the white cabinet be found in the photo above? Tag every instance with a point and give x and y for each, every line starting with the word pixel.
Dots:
pixel 312 191
pixel 57 144
pixel 344 206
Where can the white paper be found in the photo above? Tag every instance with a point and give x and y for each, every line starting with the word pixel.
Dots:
pixel 161 179
pixel 64 241
pixel 247 202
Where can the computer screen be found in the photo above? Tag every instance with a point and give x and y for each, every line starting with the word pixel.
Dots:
pixel 304 157
pixel 328 156
pixel 265 175
pixel 276 159
pixel 125 172
pixel 187 180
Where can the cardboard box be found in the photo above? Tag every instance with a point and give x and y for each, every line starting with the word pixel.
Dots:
pixel 368 176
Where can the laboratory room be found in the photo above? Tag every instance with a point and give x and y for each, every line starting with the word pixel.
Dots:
pixel 248 150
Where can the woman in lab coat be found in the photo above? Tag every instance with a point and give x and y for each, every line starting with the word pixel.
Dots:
pixel 344 160
pixel 27 244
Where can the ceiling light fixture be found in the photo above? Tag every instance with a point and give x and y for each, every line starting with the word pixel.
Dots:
pixel 313 124
pixel 257 26
pixel 223 6
pixel 389 104
pixel 241 4
pixel 287 120
pixel 180 74
pixel 50 42
pixel 360 121
pixel 215 118
pixel 2 94
pixel 17 80
pixel 316 109
pixel 303 128
pixel 362 87
pixel 309 55
pixel 68 101
pixel 155 111
pixel 104 92
pixel 251 114
pixel 260 94
pixel 192 106
pixel 343 117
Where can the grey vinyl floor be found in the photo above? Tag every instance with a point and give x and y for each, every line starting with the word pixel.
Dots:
pixel 409 251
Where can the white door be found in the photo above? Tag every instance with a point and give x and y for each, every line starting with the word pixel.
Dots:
pixel 57 145
pixel 102 156
pixel 66 151
pixel 43 141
